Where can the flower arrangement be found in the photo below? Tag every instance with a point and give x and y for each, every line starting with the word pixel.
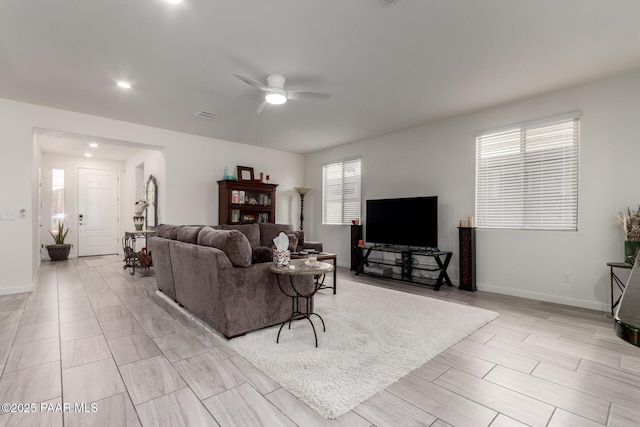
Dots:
pixel 630 223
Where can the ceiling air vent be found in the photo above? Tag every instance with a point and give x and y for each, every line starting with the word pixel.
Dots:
pixel 387 2
pixel 205 114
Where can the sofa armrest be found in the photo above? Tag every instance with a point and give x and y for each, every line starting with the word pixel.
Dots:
pixel 196 272
pixel 316 246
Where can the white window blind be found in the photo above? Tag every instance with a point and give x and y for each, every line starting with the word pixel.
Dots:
pixel 527 176
pixel 341 192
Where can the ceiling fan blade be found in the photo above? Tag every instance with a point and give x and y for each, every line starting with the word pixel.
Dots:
pixel 263 107
pixel 253 83
pixel 305 95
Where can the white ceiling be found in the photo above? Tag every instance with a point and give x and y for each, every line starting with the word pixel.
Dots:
pixel 71 144
pixel 388 67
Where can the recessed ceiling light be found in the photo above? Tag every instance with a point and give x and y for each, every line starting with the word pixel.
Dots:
pixel 93 145
pixel 175 1
pixel 88 155
pixel 123 84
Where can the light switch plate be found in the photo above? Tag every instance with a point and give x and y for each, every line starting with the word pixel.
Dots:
pixel 7 216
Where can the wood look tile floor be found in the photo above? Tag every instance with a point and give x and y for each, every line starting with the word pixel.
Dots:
pixel 92 335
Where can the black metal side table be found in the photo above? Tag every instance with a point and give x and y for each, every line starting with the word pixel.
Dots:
pixel 129 245
pixel 301 267
pixel 617 281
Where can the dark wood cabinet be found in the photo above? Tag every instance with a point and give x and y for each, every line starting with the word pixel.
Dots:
pixel 356 251
pixel 467 258
pixel 246 202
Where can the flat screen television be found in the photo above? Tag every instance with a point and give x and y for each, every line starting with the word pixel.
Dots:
pixel 407 221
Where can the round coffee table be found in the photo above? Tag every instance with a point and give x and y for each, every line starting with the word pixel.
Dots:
pixel 300 267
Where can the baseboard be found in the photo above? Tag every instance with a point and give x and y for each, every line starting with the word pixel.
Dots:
pixel 175 309
pixel 16 290
pixel 593 305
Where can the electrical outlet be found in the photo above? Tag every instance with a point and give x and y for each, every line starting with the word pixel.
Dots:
pixel 566 277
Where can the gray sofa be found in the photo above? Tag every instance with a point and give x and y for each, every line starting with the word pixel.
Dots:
pixel 222 274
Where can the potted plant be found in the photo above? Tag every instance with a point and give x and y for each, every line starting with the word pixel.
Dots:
pixel 630 223
pixel 60 250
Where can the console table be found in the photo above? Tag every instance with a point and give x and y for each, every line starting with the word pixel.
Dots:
pixel 615 280
pixel 408 263
pixel 129 247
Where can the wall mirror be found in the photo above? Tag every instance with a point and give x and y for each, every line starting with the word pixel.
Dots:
pixel 152 203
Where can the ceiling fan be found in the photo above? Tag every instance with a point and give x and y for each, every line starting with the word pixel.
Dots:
pixel 276 95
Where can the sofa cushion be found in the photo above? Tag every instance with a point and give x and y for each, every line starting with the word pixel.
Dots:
pixel 252 231
pixel 269 231
pixel 293 243
pixel 300 235
pixel 189 233
pixel 167 231
pixel 232 242
pixel 261 254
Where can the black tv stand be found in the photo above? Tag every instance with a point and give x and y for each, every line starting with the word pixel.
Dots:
pixel 408 264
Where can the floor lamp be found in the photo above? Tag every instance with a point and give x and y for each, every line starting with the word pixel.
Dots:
pixel 302 191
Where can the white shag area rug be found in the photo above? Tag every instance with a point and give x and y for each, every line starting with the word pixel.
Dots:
pixel 374 337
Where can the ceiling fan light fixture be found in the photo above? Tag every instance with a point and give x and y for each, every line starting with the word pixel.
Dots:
pixel 276 97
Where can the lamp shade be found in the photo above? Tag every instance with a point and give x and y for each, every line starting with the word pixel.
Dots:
pixel 302 190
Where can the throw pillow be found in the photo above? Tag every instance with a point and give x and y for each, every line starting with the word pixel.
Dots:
pixel 261 254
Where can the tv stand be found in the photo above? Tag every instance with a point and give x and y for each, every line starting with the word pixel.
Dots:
pixel 407 265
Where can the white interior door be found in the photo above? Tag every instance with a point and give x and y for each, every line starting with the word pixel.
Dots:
pixel 97 212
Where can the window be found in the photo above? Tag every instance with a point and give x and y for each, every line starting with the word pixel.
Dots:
pixel 527 176
pixel 57 198
pixel 341 192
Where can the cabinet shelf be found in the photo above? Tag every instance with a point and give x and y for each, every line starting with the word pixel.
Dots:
pixel 250 207
pixel 415 266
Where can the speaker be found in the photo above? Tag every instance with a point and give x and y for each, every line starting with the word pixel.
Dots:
pixel 467 258
pixel 356 251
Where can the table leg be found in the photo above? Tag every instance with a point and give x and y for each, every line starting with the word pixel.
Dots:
pixel 296 314
pixel 611 280
pixel 335 268
pixel 364 260
pixel 443 271
pixel 615 279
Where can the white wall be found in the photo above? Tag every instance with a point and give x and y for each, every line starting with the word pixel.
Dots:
pixel 36 172
pixel 439 159
pixel 193 171
pixel 188 193
pixel 70 165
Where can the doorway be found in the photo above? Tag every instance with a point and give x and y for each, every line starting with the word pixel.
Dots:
pixel 98 207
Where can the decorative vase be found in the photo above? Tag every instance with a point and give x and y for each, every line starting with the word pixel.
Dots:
pixel 631 249
pixel 59 252
pixel 138 222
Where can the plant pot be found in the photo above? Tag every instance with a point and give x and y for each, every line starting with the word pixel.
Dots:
pixel 631 249
pixel 138 222
pixel 59 252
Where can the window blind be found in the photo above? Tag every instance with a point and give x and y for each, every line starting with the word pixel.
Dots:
pixel 341 192
pixel 527 176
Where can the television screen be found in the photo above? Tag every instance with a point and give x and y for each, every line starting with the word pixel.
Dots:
pixel 408 221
